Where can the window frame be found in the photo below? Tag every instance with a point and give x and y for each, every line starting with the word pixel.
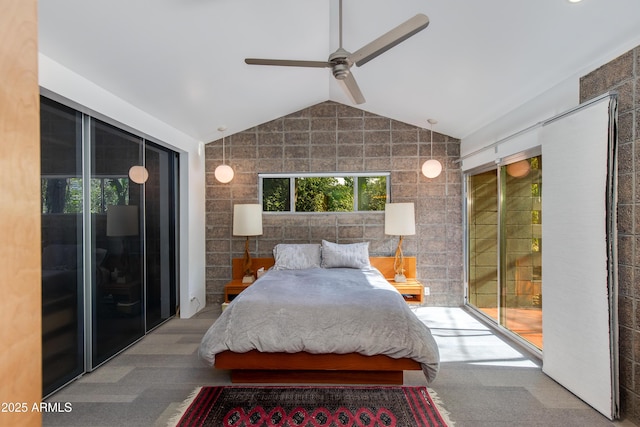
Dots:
pixel 292 182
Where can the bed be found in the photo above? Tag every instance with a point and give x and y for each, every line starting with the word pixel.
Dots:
pixel 322 314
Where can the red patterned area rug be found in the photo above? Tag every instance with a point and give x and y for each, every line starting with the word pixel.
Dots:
pixel 237 406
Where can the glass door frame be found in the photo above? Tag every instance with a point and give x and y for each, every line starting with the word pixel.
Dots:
pixel 84 157
pixel 501 317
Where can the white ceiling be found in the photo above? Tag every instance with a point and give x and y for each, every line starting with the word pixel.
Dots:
pixel 182 61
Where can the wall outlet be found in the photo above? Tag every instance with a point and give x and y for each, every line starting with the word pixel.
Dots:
pixel 427 291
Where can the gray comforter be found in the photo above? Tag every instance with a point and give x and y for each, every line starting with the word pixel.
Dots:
pixel 318 310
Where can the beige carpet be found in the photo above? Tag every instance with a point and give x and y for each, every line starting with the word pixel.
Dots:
pixel 483 381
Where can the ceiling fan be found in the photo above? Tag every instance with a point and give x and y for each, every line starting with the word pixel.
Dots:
pixel 341 60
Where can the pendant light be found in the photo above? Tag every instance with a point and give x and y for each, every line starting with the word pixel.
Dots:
pixel 138 173
pixel 432 167
pixel 223 173
pixel 519 169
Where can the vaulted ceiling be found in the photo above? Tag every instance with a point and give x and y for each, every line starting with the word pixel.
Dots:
pixel 182 61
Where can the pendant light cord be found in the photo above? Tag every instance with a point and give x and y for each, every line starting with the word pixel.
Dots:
pixel 223 149
pixel 431 140
pixel 431 123
pixel 221 129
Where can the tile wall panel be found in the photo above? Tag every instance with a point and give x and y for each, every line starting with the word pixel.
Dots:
pixel 331 137
pixel 623 76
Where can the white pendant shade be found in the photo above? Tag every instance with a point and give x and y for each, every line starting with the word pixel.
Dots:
pixel 223 173
pixel 138 174
pixel 431 168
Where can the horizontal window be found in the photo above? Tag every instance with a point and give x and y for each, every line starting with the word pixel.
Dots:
pixel 348 192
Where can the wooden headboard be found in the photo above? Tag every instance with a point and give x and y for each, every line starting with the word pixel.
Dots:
pixel 382 263
pixel 256 263
pixel 385 265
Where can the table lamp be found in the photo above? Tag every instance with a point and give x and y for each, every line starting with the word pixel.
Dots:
pixel 247 221
pixel 399 220
pixel 122 221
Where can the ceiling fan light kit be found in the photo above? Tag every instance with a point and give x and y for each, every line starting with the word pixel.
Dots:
pixel 341 60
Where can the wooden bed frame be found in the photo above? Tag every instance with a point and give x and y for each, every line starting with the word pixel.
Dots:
pixel 351 368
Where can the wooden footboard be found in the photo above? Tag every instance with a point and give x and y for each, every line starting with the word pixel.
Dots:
pixel 351 368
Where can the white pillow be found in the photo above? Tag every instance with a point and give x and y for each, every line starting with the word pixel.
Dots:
pixel 352 255
pixel 296 256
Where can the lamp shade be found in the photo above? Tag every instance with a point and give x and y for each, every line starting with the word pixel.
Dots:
pixel 247 220
pixel 431 168
pixel 519 169
pixel 223 173
pixel 122 220
pixel 399 219
pixel 138 174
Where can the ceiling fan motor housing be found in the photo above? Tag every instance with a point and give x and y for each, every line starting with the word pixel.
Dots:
pixel 340 71
pixel 340 63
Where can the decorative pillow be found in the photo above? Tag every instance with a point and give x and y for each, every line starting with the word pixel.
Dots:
pixel 296 256
pixel 352 255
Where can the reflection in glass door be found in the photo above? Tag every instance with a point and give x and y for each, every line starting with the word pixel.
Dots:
pixel 109 253
pixel 521 285
pixel 160 235
pixel 483 242
pixel 504 246
pixel 116 210
pixel 62 245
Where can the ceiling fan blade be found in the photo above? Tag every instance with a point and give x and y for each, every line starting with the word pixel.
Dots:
pixel 288 63
pixel 389 39
pixel 351 88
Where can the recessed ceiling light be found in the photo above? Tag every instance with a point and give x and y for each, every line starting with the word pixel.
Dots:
pixel 575 1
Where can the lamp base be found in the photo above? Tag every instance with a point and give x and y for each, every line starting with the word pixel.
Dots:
pixel 248 279
pixel 400 278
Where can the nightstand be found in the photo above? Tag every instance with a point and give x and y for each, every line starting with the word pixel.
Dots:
pixel 233 288
pixel 412 290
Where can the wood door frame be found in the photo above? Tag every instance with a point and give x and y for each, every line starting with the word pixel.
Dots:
pixel 20 259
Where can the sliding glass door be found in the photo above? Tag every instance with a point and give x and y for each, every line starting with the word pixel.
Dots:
pixel 483 242
pixel 160 231
pixel 109 258
pixel 62 245
pixel 521 247
pixel 504 220
pixel 116 211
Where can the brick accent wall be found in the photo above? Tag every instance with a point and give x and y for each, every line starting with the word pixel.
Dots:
pixel 331 137
pixel 623 75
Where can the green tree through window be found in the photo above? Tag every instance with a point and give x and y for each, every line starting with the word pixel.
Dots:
pixel 372 193
pixel 275 194
pixel 324 193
